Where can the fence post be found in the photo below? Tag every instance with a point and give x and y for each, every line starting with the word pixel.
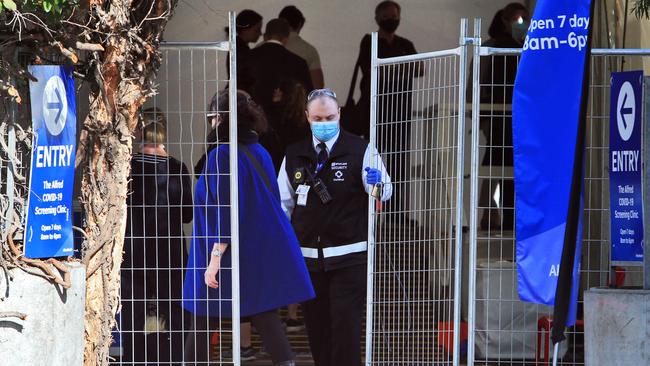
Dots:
pixel 460 163
pixel 645 138
pixel 371 200
pixel 10 168
pixel 234 190
pixel 473 227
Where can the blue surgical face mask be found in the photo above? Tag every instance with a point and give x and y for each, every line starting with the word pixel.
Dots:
pixel 325 131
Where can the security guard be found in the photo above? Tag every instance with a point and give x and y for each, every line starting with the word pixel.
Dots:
pixel 324 185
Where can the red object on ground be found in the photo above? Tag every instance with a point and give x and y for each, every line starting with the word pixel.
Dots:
pixel 620 276
pixel 544 326
pixel 446 335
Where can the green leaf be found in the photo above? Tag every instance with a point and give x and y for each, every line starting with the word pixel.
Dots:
pixel 1 6
pixel 9 4
pixel 47 6
pixel 641 8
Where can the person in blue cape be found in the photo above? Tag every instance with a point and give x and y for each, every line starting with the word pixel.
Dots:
pixel 272 270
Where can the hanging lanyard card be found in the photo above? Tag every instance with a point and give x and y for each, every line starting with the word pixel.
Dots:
pixel 302 191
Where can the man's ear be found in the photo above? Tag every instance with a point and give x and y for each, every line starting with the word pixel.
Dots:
pixel 307 116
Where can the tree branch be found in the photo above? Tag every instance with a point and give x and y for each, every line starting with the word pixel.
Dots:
pixel 642 9
pixel 89 46
pixel 13 314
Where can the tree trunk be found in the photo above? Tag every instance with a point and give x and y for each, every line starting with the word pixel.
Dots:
pixel 125 73
pixel 107 141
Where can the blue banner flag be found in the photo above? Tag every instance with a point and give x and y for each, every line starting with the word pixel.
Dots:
pixel 625 161
pixel 48 231
pixel 546 114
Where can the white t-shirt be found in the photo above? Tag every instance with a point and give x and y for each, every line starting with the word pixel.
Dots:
pixel 303 49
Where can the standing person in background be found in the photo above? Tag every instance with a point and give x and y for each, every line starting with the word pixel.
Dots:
pixel 154 250
pixel 289 109
pixel 213 137
pixel 249 30
pixel 395 101
pixel 272 271
pixel 274 65
pixel 497 79
pixel 218 134
pixel 324 185
pixel 301 47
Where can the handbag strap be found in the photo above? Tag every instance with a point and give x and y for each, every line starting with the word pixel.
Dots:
pixel 257 166
pixel 357 66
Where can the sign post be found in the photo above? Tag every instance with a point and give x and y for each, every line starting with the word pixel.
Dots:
pixel 48 230
pixel 646 178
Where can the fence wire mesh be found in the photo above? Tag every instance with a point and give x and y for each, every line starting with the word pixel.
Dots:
pixel 412 268
pixel 506 330
pixel 15 154
pixel 153 326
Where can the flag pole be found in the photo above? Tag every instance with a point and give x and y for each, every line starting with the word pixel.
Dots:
pixel 565 279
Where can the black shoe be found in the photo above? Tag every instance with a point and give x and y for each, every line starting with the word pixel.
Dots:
pixel 246 354
pixel 286 363
pixel 294 325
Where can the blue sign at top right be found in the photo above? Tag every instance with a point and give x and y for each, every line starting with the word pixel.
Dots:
pixel 625 162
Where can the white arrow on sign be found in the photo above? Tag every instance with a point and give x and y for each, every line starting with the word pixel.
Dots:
pixel 55 105
pixel 625 111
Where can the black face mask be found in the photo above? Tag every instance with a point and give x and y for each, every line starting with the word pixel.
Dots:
pixel 389 25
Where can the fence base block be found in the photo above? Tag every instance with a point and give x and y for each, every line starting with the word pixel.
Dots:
pixel 53 331
pixel 617 327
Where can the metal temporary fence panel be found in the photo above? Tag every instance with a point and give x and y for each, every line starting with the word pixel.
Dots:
pixel 503 329
pixel 152 327
pixel 417 124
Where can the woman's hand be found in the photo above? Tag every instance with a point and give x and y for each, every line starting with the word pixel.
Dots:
pixel 211 272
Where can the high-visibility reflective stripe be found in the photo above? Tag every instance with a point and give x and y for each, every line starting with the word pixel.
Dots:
pixel 309 252
pixel 361 246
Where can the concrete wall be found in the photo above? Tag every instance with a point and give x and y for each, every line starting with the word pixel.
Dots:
pixel 336 27
pixel 53 332
pixel 617 327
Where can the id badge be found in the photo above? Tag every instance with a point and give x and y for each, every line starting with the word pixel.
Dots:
pixel 302 192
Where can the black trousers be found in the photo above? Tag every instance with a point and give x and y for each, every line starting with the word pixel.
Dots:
pixel 268 325
pixel 162 348
pixel 334 317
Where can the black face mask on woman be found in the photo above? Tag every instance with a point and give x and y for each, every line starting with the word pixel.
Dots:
pixel 389 25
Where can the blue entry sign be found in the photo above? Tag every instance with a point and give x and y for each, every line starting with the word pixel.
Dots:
pixel 48 230
pixel 625 186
